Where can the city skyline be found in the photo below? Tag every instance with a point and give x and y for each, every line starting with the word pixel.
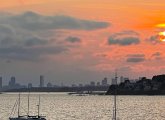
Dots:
pixel 43 82
pixel 79 41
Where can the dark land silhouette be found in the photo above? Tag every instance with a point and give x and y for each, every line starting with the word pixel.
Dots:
pixel 144 86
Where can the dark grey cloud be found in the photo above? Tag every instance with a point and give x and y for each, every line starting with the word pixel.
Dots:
pixel 73 39
pixel 19 46
pixel 124 38
pixel 29 53
pixel 24 47
pixel 135 58
pixel 123 41
pixel 24 36
pixel 34 21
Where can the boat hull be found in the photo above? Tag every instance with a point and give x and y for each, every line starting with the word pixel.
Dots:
pixel 27 119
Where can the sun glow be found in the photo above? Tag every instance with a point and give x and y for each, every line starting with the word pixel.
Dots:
pixel 162 36
pixel 162 25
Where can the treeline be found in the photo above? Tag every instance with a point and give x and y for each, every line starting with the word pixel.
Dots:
pixel 144 86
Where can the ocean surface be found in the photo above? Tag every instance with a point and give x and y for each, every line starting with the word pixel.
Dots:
pixel 61 106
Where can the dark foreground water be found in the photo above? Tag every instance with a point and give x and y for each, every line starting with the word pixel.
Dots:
pixel 60 106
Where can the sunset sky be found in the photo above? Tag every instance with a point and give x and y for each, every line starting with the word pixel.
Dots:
pixel 78 41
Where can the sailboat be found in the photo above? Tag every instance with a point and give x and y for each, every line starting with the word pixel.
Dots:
pixel 26 117
pixel 115 92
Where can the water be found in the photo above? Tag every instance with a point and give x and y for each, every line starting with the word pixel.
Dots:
pixel 60 106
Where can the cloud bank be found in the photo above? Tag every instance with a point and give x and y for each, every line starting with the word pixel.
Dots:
pixel 34 21
pixel 21 35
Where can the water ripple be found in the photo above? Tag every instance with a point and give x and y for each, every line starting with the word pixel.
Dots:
pixel 65 107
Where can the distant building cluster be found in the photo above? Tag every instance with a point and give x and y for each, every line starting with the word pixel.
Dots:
pixel 11 85
pixel 104 82
pixel 14 85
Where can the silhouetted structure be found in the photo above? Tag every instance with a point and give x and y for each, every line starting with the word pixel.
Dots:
pixel 144 86
pixel 12 82
pixel 92 83
pixel 49 85
pixel 30 85
pixel 98 83
pixel 41 81
pixel 104 82
pixel 121 79
pixel 113 81
pixel 80 85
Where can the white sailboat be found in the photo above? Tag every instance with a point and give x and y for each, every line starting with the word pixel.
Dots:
pixel 26 117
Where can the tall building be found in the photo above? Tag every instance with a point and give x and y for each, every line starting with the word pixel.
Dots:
pixel 104 82
pixel 12 82
pixel 41 81
pixel 92 83
pixel 74 85
pixel 49 85
pixel 113 81
pixel 98 83
pixel 30 85
pixel 0 82
pixel 80 85
pixel 121 79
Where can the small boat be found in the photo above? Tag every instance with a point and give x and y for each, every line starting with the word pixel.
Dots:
pixel 26 117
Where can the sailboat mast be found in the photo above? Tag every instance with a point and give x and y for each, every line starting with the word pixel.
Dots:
pixel 115 95
pixel 28 103
pixel 115 92
pixel 19 105
pixel 39 107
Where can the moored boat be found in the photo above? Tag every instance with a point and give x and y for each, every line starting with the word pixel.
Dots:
pixel 26 117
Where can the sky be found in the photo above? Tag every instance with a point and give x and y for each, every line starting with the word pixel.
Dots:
pixel 78 41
